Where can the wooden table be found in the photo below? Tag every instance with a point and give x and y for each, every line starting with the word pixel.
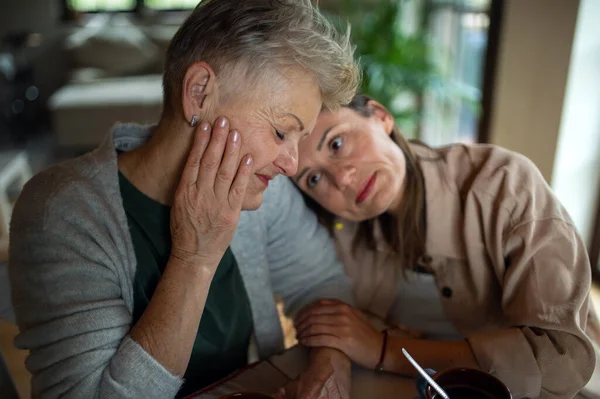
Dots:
pixel 268 376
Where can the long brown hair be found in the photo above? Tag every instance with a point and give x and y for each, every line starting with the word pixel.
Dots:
pixel 403 232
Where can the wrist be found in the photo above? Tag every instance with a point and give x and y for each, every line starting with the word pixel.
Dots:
pixel 394 359
pixel 326 353
pixel 194 268
pixel 333 357
pixel 380 366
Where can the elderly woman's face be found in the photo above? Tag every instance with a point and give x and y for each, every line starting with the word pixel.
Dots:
pixel 271 122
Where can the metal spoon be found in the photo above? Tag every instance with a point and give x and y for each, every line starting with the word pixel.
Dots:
pixel 429 380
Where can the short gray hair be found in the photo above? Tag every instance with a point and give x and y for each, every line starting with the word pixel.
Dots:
pixel 263 34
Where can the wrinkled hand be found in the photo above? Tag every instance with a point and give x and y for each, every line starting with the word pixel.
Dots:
pixel 327 377
pixel 334 324
pixel 208 201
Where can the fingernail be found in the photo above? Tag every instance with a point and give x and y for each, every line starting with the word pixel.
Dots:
pixel 236 136
pixel 205 126
pixel 249 160
pixel 223 122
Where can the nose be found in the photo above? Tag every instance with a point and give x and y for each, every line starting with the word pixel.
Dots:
pixel 343 175
pixel 287 161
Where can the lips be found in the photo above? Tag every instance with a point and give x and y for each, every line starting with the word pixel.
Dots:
pixel 365 189
pixel 264 178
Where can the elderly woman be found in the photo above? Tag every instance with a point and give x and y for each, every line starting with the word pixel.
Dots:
pixel 124 281
pixel 465 246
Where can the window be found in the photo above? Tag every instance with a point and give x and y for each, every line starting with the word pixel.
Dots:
pixel 459 30
pixel 129 5
pixel 101 5
pixel 171 4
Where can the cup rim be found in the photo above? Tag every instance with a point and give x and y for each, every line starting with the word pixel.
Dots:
pixel 430 391
pixel 233 395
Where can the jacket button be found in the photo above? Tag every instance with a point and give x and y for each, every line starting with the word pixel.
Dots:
pixel 447 292
pixel 427 259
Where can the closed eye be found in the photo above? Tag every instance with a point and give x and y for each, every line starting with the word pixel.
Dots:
pixel 280 135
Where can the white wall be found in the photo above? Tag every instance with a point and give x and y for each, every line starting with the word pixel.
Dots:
pixel 535 49
pixel 576 177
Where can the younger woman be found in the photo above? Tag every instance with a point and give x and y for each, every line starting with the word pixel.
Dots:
pixel 467 245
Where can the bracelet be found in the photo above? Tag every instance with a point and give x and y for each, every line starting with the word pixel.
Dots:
pixel 379 366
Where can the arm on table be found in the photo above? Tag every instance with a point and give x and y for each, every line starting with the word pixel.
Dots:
pixel 327 376
pixel 545 296
pixel 336 325
pixel 438 355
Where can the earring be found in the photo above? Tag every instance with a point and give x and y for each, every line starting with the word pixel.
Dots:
pixel 195 120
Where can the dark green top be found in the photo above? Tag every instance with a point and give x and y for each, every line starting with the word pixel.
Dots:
pixel 221 344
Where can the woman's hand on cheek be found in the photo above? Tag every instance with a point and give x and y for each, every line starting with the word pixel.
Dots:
pixel 334 324
pixel 208 201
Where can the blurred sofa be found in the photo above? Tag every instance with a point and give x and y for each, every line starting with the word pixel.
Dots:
pixel 115 76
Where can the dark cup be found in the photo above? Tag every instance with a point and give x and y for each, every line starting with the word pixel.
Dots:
pixel 464 384
pixel 246 395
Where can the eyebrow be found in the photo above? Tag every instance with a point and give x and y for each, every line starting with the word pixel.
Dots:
pixel 301 174
pixel 325 133
pixel 300 124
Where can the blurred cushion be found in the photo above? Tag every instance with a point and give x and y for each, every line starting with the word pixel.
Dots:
pixel 117 47
pixel 83 113
pixel 83 75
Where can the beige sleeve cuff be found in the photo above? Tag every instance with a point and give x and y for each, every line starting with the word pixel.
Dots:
pixel 507 355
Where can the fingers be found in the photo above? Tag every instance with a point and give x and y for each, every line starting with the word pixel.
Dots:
pixel 240 184
pixel 328 341
pixel 319 309
pixel 319 329
pixel 211 161
pixel 229 164
pixel 331 320
pixel 201 140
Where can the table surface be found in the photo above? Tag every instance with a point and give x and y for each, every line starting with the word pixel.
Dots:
pixel 268 376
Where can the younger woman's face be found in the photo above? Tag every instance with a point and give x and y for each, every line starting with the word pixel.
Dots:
pixel 350 165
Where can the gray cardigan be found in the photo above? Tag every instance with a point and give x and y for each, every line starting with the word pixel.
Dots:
pixel 72 265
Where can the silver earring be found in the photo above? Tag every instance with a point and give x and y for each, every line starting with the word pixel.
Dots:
pixel 194 121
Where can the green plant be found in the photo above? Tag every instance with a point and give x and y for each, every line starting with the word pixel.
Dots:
pixel 395 64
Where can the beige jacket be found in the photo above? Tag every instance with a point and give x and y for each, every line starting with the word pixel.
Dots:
pixel 512 272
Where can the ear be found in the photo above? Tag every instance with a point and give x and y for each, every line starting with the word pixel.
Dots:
pixel 199 91
pixel 383 115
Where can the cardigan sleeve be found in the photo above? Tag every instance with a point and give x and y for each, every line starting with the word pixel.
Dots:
pixel 69 302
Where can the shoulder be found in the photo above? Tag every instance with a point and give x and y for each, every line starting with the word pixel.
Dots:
pixel 69 188
pixel 494 177
pixel 461 161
